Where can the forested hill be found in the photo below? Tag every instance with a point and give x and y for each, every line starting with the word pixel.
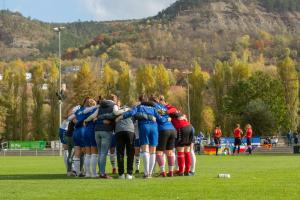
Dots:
pixel 205 30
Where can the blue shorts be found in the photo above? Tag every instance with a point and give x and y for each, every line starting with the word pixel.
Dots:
pixel 113 141
pixel 78 137
pixel 137 143
pixel 89 136
pixel 62 136
pixel 148 134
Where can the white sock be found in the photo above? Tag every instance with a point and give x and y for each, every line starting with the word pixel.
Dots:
pixel 193 164
pixel 146 158
pixel 137 162
pixel 113 160
pixel 77 165
pixel 87 164
pixel 152 162
pixel 94 161
pixel 66 153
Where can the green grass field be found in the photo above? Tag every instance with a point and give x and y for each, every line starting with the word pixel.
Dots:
pixel 256 177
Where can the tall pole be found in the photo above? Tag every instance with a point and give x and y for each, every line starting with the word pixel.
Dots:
pixel 188 88
pixel 59 29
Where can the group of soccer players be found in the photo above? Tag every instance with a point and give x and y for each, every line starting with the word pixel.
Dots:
pixel 151 129
pixel 237 134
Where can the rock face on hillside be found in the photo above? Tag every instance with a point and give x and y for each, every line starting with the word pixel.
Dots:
pixel 196 27
pixel 238 15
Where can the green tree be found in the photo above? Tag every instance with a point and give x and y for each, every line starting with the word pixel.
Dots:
pixel 290 81
pixel 38 101
pixel 197 86
pixel 109 80
pixel 145 80
pixel 124 84
pixel 208 119
pixel 162 80
pixel 84 84
pixel 53 123
pixel 259 115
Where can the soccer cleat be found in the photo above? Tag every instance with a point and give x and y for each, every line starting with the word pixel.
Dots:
pixel 122 176
pixel 114 171
pixel 87 176
pixel 71 174
pixel 163 174
pixel 188 174
pixel 137 171
pixel 180 174
pixel 170 174
pixel 105 176
pixel 192 173
pixel 129 176
pixel 95 176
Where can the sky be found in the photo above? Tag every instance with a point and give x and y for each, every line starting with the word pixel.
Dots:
pixel 85 10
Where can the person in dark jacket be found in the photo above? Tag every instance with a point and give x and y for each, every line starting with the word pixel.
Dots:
pixel 104 128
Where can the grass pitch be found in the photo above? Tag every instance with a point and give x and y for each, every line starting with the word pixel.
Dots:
pixel 252 177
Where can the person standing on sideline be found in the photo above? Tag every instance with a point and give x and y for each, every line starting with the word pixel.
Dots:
pixel 217 138
pixel 237 133
pixel 249 133
pixel 289 137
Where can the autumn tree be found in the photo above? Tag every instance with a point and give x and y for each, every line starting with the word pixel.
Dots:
pixel 290 81
pixel 208 119
pixel 145 80
pixel 38 101
pixel 162 80
pixel 197 85
pixel 84 84
pixel 53 88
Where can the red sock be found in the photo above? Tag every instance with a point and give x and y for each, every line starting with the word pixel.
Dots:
pixel 180 158
pixel 188 161
pixel 160 160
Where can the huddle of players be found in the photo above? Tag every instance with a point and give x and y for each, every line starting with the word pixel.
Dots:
pixel 151 129
pixel 237 133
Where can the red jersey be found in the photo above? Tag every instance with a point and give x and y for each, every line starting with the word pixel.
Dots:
pixel 249 133
pixel 237 133
pixel 178 122
pixel 218 133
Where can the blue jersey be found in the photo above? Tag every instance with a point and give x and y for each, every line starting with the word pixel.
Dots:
pixel 148 110
pixel 81 116
pixel 165 125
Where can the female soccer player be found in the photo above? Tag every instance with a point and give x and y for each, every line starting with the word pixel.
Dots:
pixel 217 138
pixel 78 137
pixel 62 131
pixel 166 139
pixel 237 133
pixel 249 138
pixel 183 140
pixel 148 133
pixel 91 152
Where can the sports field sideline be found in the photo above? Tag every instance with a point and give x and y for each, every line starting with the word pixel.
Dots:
pixel 252 177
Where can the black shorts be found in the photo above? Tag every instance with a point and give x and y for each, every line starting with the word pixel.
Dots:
pixel 217 141
pixel 166 140
pixel 248 141
pixel 237 141
pixel 184 136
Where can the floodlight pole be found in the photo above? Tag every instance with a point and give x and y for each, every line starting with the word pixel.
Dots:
pixel 58 30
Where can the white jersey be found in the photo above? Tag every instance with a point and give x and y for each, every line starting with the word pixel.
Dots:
pixel 64 125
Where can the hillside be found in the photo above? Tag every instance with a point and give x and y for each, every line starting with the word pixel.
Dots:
pixel 26 38
pixel 205 30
